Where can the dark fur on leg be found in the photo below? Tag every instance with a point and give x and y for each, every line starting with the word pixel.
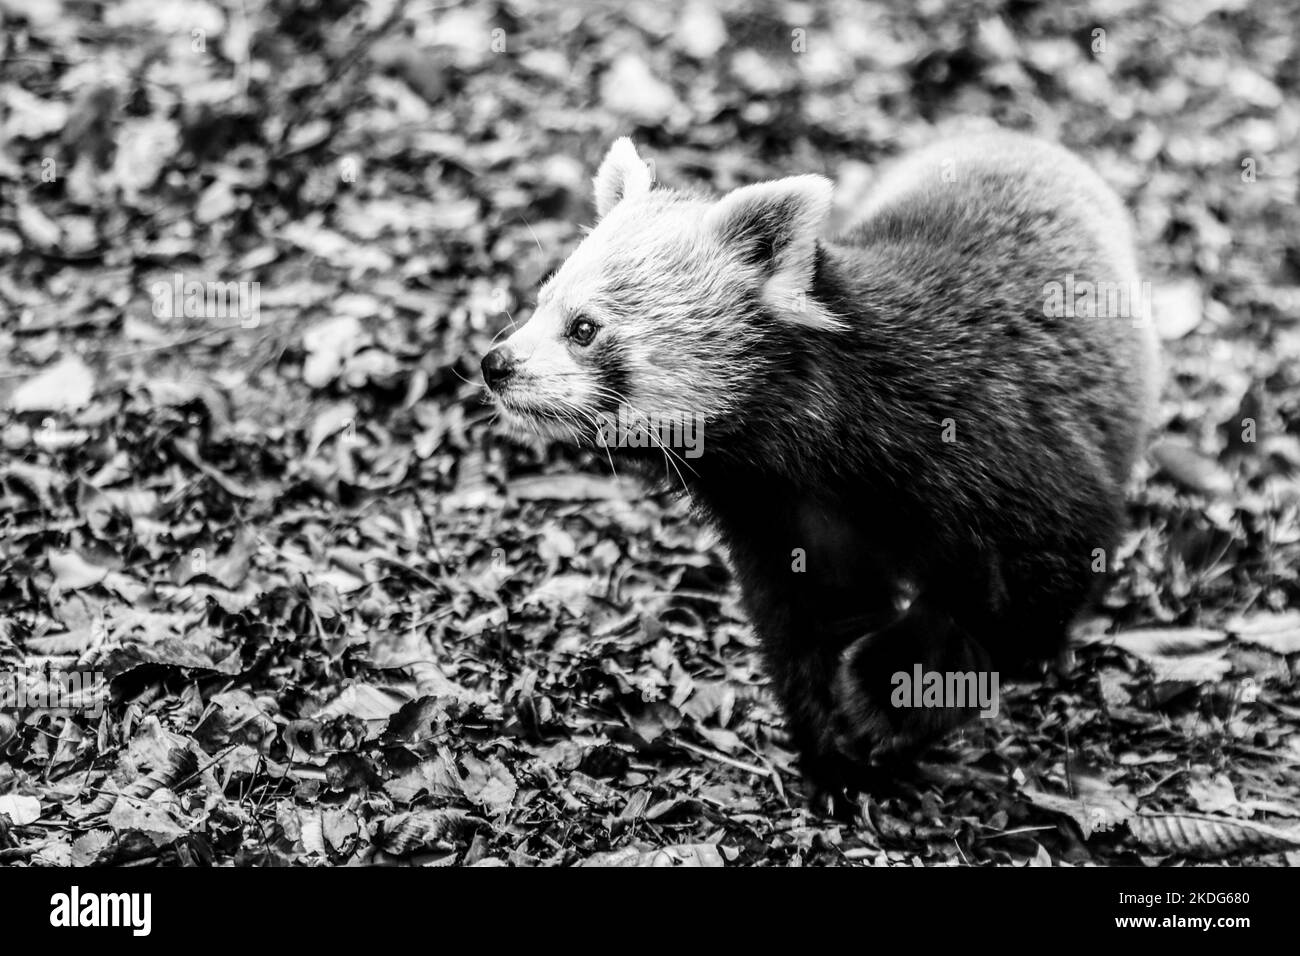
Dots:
pixel 867 724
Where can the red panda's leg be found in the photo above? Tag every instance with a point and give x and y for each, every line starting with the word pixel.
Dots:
pixel 880 682
pixel 803 683
pixel 802 666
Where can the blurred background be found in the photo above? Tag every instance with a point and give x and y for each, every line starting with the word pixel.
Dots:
pixel 290 520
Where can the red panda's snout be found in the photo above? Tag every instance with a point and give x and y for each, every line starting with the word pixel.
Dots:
pixel 538 385
pixel 498 366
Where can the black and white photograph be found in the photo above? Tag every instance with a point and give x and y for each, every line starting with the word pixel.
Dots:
pixel 445 434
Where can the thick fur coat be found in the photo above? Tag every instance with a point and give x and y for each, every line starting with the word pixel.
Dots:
pixel 917 433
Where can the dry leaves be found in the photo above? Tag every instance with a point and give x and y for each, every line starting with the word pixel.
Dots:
pixel 330 615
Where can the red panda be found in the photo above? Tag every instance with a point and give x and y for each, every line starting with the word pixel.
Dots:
pixel 914 445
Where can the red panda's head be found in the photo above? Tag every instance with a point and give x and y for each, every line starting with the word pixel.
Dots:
pixel 659 310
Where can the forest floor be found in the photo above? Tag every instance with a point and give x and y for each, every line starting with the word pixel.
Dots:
pixel 336 617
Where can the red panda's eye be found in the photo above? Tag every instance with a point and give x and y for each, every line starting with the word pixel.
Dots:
pixel 582 331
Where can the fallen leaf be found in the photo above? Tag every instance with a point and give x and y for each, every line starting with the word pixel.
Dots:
pixel 363 701
pixel 1164 641
pixel 568 591
pixel 1093 812
pixel 405 833
pixel 39 229
pixel 20 810
pixel 1215 795
pixel 1279 633
pixel 1206 837
pixel 158 822
pixel 694 854
pixel 630 88
pixel 489 783
pixel 1190 468
pixel 328 345
pixel 1177 308
pixel 573 487
pixel 65 386
pixel 72 571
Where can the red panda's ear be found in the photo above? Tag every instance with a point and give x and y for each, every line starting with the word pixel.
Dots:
pixel 774 227
pixel 623 173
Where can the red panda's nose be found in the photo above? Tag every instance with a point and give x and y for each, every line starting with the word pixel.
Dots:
pixel 498 365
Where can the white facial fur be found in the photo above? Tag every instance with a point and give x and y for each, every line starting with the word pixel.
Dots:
pixel 677 286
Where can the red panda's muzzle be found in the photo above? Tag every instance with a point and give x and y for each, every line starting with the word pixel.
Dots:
pixel 498 366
